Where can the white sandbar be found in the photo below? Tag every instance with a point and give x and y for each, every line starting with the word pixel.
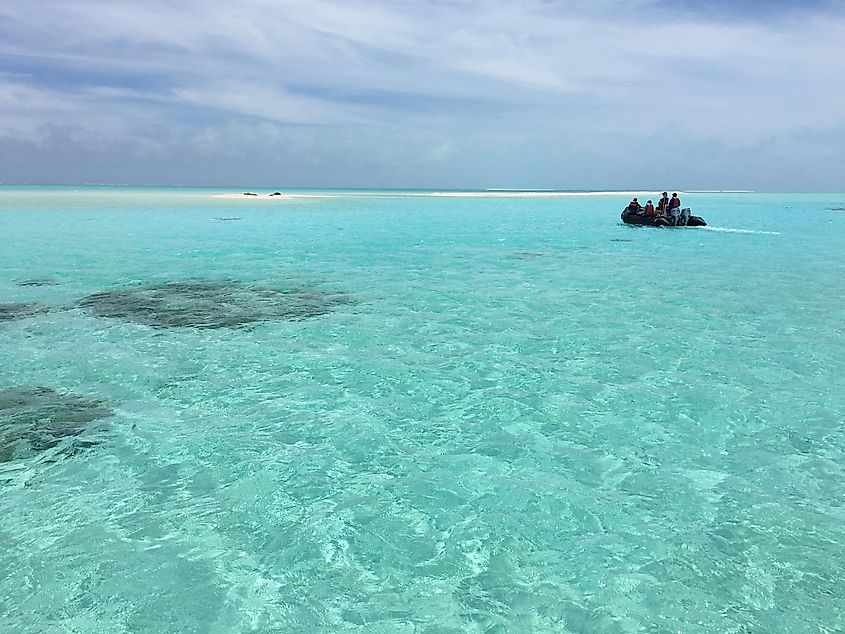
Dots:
pixel 435 194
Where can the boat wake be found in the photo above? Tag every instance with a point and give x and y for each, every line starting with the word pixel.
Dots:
pixel 730 230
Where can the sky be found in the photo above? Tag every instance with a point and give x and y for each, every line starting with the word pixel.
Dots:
pixel 598 94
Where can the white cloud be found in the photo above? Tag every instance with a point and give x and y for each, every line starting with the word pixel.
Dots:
pixel 464 73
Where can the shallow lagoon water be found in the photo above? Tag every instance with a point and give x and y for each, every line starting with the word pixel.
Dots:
pixel 523 416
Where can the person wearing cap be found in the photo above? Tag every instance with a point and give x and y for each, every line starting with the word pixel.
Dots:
pixel 649 208
pixel 635 206
pixel 663 204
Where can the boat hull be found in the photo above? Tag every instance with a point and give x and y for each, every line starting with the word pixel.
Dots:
pixel 631 218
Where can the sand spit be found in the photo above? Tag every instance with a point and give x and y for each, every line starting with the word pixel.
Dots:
pixel 431 194
pixel 531 194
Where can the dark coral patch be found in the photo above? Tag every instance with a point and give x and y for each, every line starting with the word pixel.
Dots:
pixel 209 304
pixel 34 419
pixel 21 310
pixel 528 255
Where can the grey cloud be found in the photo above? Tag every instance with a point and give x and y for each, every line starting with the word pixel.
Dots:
pixel 328 85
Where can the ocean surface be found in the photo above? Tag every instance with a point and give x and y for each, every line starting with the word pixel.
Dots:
pixel 392 412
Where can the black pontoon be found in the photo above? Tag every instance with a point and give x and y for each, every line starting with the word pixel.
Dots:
pixel 681 219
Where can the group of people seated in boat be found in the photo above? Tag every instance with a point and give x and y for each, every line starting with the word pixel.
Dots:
pixel 669 211
pixel 665 206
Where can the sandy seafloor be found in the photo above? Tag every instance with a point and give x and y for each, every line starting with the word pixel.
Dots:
pixel 377 412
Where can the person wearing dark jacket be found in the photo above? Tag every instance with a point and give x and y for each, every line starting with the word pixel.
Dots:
pixel 663 204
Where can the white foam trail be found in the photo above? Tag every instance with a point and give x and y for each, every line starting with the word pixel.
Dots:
pixel 729 230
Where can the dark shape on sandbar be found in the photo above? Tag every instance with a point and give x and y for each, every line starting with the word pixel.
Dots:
pixel 276 194
pixel 21 310
pixel 249 194
pixel 37 282
pixel 211 304
pixel 35 419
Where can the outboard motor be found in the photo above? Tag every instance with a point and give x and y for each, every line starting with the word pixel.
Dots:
pixel 675 215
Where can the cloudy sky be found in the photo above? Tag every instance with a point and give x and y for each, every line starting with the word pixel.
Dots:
pixel 579 94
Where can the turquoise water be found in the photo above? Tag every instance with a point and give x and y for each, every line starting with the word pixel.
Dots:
pixel 523 416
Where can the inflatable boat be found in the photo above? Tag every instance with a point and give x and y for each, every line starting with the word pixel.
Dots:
pixel 682 219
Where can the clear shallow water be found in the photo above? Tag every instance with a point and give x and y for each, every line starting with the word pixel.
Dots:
pixel 529 417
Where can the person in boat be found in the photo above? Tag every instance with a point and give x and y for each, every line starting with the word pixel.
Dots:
pixel 663 204
pixel 634 206
pixel 649 208
pixel 675 209
pixel 675 203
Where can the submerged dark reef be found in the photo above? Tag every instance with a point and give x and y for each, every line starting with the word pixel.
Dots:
pixel 211 304
pixel 21 310
pixel 34 419
pixel 37 282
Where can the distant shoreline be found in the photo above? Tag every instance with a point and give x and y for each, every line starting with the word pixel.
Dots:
pixel 265 193
pixel 488 193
